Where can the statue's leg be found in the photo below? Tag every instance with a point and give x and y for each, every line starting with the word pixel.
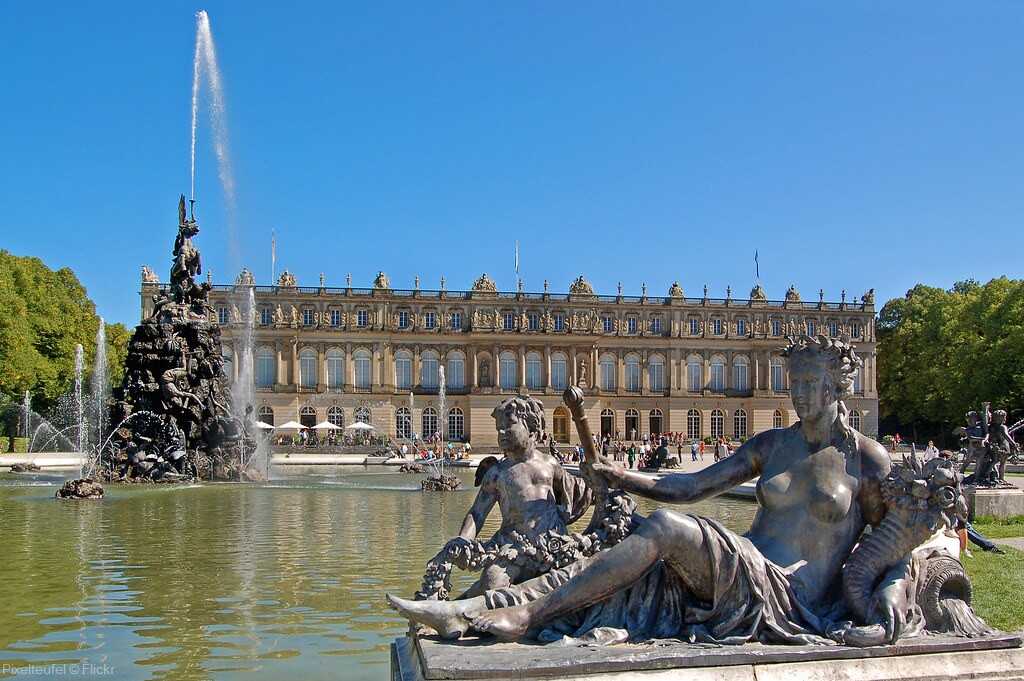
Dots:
pixel 673 537
pixel 494 577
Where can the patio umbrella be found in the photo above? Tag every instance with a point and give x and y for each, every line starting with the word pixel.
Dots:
pixel 264 426
pixel 291 425
pixel 359 425
pixel 326 425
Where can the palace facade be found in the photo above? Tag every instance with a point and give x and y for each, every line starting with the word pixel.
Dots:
pixel 695 365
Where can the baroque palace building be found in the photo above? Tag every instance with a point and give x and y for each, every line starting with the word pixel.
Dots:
pixel 700 366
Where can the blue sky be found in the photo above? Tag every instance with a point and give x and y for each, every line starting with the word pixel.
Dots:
pixel 854 145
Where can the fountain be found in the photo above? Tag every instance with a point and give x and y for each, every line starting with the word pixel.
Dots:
pixel 79 400
pixel 243 392
pixel 100 385
pixel 439 482
pixel 174 372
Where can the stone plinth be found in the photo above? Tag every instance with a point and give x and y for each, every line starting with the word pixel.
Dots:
pixel 1002 502
pixel 931 657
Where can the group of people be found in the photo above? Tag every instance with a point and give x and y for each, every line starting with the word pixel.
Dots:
pixel 310 437
pixel 434 448
pixel 648 451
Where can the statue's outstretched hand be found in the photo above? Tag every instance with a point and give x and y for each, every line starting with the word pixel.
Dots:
pixel 612 473
pixel 458 546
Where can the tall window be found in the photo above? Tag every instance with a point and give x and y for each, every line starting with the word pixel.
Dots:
pixel 363 366
pixel 694 369
pixel 607 372
pixel 428 422
pixel 307 416
pixel 307 368
pixel 632 373
pixel 335 318
pixel 607 422
pixel 222 315
pixel 717 327
pixel 266 415
pixel 509 321
pixel 656 327
pixel 739 423
pixel 336 416
pixel 632 424
pixel 858 386
pixel 778 375
pixel 533 371
pixel 855 420
pixel 608 324
pixel 533 321
pixel 717 423
pixel 307 317
pixel 718 374
pixel 693 424
pixel 335 369
pixel 362 318
pixel 854 330
pixel 456 424
pixel 403 319
pixel 559 321
pixel 833 329
pixel 776 327
pixel 812 327
pixel 694 326
pixel 741 327
pixel 631 325
pixel 656 422
pixel 403 369
pixel 456 321
pixel 778 419
pixel 559 369
pixel 428 369
pixel 455 373
pixel 266 368
pixel 266 316
pixel 430 320
pixel 739 373
pixel 362 415
pixel 656 373
pixel 403 422
pixel 507 367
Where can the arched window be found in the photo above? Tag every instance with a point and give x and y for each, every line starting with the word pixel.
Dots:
pixel 428 369
pixel 607 423
pixel 307 368
pixel 717 423
pixel 560 424
pixel 632 424
pixel 335 369
pixel 403 423
pixel 855 420
pixel 778 370
pixel 534 375
pixel 693 424
pixel 455 372
pixel 607 372
pixel 656 374
pixel 403 369
pixel 229 361
pixel 456 424
pixel 428 422
pixel 778 419
pixel 362 415
pixel 336 416
pixel 718 373
pixel 633 373
pixel 507 368
pixel 307 416
pixel 739 373
pixel 739 423
pixel 266 368
pixel 559 371
pixel 266 415
pixel 656 421
pixel 694 371
pixel 858 385
pixel 363 367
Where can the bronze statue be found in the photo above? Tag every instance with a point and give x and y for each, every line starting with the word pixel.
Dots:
pixel 678 575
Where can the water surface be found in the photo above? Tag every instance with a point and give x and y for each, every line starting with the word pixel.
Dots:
pixel 225 581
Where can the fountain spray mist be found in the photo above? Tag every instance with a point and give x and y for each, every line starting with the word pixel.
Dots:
pixel 100 388
pixel 79 402
pixel 204 60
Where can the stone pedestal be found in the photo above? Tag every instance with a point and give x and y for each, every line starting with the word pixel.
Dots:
pixel 1001 502
pixel 931 657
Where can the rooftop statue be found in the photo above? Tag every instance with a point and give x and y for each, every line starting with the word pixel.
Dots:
pixel 287 280
pixel 381 281
pixel 485 284
pixel 792 295
pixel 149 276
pixel 675 291
pixel 795 577
pixel 245 278
pixel 581 287
pixel 758 293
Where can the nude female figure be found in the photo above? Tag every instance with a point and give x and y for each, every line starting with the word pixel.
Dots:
pixel 819 486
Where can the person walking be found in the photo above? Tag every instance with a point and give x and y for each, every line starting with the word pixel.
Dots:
pixel 693 450
pixel 931 451
pixel 702 450
pixel 632 456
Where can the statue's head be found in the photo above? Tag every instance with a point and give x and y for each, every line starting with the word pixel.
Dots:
pixel 972 418
pixel 999 417
pixel 821 374
pixel 520 423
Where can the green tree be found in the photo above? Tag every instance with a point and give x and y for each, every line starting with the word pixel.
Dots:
pixel 942 353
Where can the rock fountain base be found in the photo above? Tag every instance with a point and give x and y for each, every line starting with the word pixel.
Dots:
pixel 440 483
pixel 410 468
pixel 82 488
pixel 25 468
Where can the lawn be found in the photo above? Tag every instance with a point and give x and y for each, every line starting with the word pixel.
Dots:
pixel 1000 528
pixel 998 582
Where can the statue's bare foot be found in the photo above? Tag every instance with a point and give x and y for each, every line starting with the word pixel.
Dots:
pixel 506 624
pixel 447 618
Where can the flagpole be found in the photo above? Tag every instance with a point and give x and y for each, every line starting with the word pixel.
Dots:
pixel 273 257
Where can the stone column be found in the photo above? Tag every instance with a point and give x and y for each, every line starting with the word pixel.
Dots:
pixel 474 379
pixel 547 367
pixel 496 361
pixel 280 377
pixel 350 368
pixel 620 371
pixel 236 360
pixel 417 349
pixel 645 374
pixel 375 368
pixel 321 364
pixel 574 370
pixel 389 369
pixel 295 362
pixel 706 377
pixel 522 366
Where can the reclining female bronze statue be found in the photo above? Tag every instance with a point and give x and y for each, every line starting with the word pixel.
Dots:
pixel 684 576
